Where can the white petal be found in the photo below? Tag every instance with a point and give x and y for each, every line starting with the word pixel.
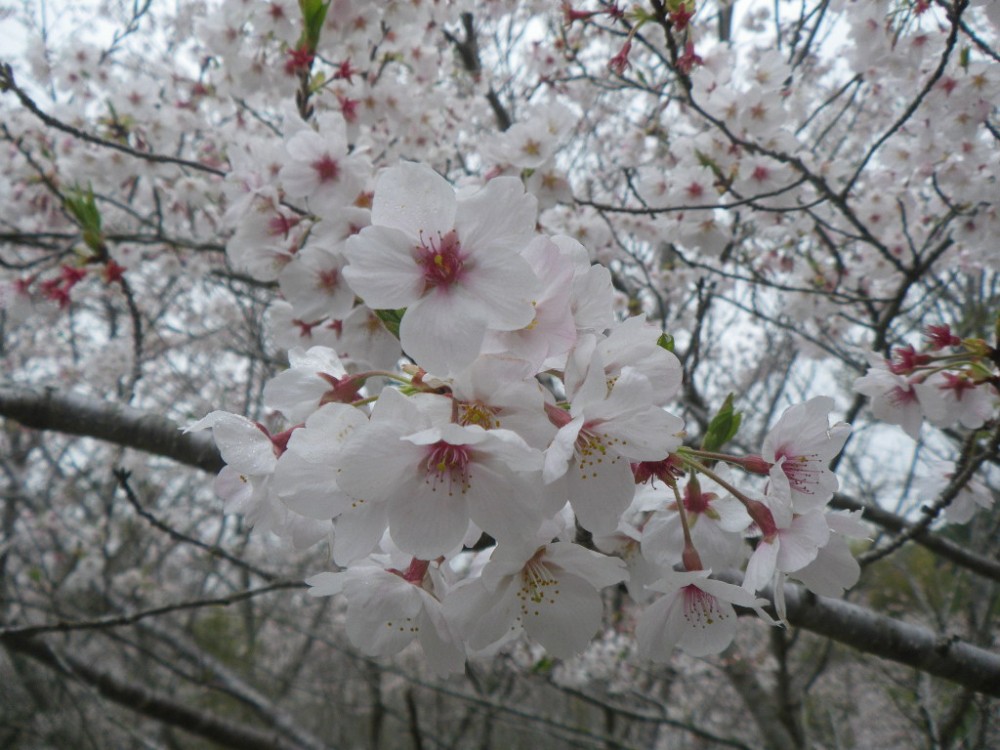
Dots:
pixel 358 531
pixel 565 616
pixel 413 198
pixel 500 216
pixel 760 566
pixel 600 489
pixel 429 521
pixel 710 623
pixel 597 569
pixel 660 628
pixel 381 268
pixel 325 584
pixel 442 334
pixel 801 541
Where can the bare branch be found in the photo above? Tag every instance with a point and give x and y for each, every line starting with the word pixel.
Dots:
pixel 150 703
pixel 48 409
pixel 7 83
pixel 944 656
pixel 119 620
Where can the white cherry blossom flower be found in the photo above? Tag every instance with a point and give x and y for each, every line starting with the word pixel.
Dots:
pixel 552 591
pixel 453 263
pixel 695 614
pixel 436 476
pixel 314 378
pixel 320 169
pixel 387 609
pixel 598 437
pixel 801 445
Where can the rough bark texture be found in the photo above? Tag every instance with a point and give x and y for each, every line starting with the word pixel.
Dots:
pixel 49 409
pixel 150 703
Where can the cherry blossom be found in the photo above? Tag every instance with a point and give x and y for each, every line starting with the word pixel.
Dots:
pixel 388 609
pixel 453 263
pixel 801 445
pixel 695 614
pixel 436 475
pixel 551 591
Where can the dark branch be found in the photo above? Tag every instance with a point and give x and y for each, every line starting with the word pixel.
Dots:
pixel 149 703
pixel 945 656
pixel 49 409
pixel 7 83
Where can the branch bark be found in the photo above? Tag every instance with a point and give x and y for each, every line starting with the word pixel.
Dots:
pixel 49 409
pixel 150 703
pixel 943 656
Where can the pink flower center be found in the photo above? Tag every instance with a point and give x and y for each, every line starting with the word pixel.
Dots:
pixel 697 501
pixel 803 471
pixel 694 190
pixel 956 383
pixel 448 465
pixel 443 262
pixel 900 396
pixel 329 280
pixel 326 168
pixel 701 609
pixel 280 225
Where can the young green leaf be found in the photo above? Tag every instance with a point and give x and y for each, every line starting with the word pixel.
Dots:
pixel 723 427
pixel 391 319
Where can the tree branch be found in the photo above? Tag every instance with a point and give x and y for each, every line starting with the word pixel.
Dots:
pixel 115 621
pixel 7 83
pixel 49 409
pixel 939 545
pixel 150 703
pixel 947 657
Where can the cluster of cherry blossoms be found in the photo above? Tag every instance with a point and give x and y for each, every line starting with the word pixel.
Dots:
pixel 949 382
pixel 526 459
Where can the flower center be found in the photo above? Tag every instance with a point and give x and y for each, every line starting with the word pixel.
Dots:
pixel 476 412
pixel 803 472
pixel 701 609
pixel 326 168
pixel 537 585
pixel 592 449
pixel 448 465
pixel 696 501
pixel 443 261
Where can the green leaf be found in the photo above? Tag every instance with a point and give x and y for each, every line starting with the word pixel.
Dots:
pixel 723 426
pixel 84 209
pixel 313 16
pixel 666 341
pixel 391 319
pixel 543 665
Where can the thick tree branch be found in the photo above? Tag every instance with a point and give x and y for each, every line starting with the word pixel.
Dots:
pixel 940 546
pixel 49 409
pixel 149 703
pixel 947 657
